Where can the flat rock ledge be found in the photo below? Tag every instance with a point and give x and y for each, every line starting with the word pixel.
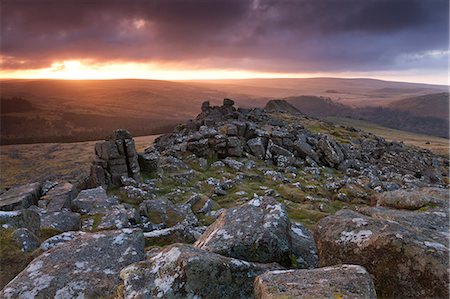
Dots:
pixel 342 281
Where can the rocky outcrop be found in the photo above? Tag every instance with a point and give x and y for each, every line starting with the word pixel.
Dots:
pixel 85 267
pixel 183 271
pixel 258 231
pixel 225 131
pixel 405 258
pixel 165 213
pixel 21 197
pixel 281 106
pixel 115 157
pixel 343 281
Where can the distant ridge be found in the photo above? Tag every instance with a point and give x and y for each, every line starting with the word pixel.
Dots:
pixel 281 106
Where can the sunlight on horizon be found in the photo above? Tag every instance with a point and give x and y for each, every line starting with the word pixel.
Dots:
pixel 79 70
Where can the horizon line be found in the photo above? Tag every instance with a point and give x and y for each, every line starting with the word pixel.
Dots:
pixel 225 79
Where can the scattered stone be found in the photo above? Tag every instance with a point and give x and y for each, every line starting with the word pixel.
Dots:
pixel 343 281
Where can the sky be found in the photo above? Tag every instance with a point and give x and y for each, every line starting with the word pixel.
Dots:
pixel 402 40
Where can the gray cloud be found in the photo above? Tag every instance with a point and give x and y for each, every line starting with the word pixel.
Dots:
pixel 285 36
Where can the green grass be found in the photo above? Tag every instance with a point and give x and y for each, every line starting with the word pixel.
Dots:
pixel 12 259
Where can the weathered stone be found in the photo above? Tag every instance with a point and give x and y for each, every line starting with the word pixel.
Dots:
pixel 303 247
pixel 304 149
pixel 60 239
pixel 183 271
pixel 63 220
pixel 148 162
pixel 331 153
pixel 258 231
pixel 413 199
pixel 92 201
pixel 119 154
pixel 164 211
pixel 343 281
pixel 403 262
pixel 257 148
pixel 25 239
pixel 85 267
pixel 20 197
pixel 21 219
pixel 180 233
pixel 59 197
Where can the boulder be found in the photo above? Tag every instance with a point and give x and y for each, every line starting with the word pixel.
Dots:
pixel 413 199
pixel 180 233
pixel 63 220
pixel 164 211
pixel 21 219
pixel 25 239
pixel 91 201
pixel 343 281
pixel 303 247
pixel 331 152
pixel 258 231
pixel 21 197
pixel 183 271
pixel 58 197
pixel 257 148
pixel 403 261
pixel 85 267
pixel 304 149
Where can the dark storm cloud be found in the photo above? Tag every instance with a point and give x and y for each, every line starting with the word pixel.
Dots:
pixel 288 36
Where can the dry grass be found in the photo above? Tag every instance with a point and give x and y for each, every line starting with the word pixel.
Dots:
pixel 25 163
pixel 435 144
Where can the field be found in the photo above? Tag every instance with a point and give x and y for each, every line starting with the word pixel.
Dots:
pixel 26 163
pixel 434 144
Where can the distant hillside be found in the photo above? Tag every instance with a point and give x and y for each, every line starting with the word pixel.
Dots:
pixel 80 110
pixel 434 105
pixel 425 115
pixel 319 106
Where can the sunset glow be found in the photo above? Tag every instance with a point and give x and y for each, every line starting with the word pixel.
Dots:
pixel 86 69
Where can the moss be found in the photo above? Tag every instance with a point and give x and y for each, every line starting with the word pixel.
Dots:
pixel 171 218
pixel 12 259
pixel 305 216
pixel 47 233
pixel 292 193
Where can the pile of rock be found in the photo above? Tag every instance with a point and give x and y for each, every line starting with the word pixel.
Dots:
pixel 114 158
pixel 225 131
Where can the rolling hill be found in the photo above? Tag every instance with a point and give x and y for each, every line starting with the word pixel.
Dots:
pixel 78 110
